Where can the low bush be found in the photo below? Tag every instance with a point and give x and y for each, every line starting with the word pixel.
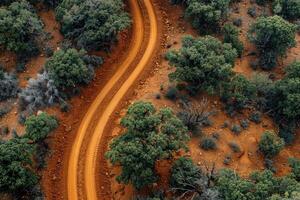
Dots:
pixel 252 11
pixel 255 117
pixel 244 123
pixel 227 159
pixel 208 143
pixel 289 9
pixel 234 147
pixel 236 129
pixel 270 144
pixel 231 35
pixel 172 93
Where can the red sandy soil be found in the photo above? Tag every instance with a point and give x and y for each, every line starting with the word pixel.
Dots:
pixel 246 161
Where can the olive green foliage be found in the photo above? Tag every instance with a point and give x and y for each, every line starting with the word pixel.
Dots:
pixel 260 185
pixel 48 3
pixel 231 35
pixel 20 29
pixel 150 135
pixel 38 127
pixel 204 63
pixel 15 166
pixel 289 9
pixel 206 14
pixel 239 92
pixel 284 100
pixel 8 85
pixel 92 24
pixel 272 37
pixel 270 144
pixel 67 69
pixel 295 165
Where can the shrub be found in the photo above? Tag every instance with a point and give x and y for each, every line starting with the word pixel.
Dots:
pixel 40 92
pixel 38 127
pixel 289 9
pixel 216 135
pixel 149 136
pixel 20 28
pixel 244 123
pixel 15 168
pixel 21 67
pixel 21 119
pixel 236 129
pixel 48 51
pixel 4 111
pixel 195 116
pixel 67 69
pixel 252 11
pixel 255 117
pixel 269 164
pixel 208 143
pixel 205 64
pixel 8 86
pixel 270 145
pixel 206 15
pixel 226 124
pixel 92 24
pixel 231 35
pixel 234 147
pixel 272 37
pixel 295 165
pixel 227 159
pixel 172 93
pixel 237 22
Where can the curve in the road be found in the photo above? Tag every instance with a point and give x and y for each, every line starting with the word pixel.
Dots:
pixel 138 34
pixel 91 156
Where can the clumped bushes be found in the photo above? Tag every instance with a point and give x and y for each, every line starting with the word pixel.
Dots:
pixel 149 136
pixel 273 36
pixel 206 15
pixel 38 127
pixel 231 35
pixel 208 143
pixel 205 64
pixel 92 24
pixel 8 86
pixel 289 9
pixel 20 29
pixel 67 69
pixel 40 92
pixel 270 144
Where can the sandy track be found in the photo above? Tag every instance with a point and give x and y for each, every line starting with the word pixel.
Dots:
pixel 90 156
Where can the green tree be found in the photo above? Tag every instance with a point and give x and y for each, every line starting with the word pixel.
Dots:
pixel 205 64
pixel 295 165
pixel 92 24
pixel 38 127
pixel 238 93
pixel 20 29
pixel 67 69
pixel 149 136
pixel 206 14
pixel 289 9
pixel 231 35
pixel 272 37
pixel 15 165
pixel 8 85
pixel 270 144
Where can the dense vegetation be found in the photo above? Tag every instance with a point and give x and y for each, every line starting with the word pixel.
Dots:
pixel 149 136
pixel 8 85
pixel 205 64
pixel 20 29
pixel 205 15
pixel 92 24
pixel 289 9
pixel 273 36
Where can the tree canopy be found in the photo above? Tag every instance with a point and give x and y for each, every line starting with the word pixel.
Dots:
pixel 92 24
pixel 20 28
pixel 8 85
pixel 149 136
pixel 289 9
pixel 67 69
pixel 38 127
pixel 270 144
pixel 272 37
pixel 15 165
pixel 203 63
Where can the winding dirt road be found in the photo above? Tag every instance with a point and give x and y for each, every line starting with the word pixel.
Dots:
pixel 88 154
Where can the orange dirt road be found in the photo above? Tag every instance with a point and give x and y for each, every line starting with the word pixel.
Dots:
pixel 90 156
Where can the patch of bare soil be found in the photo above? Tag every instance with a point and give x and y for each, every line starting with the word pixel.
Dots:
pixel 154 88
